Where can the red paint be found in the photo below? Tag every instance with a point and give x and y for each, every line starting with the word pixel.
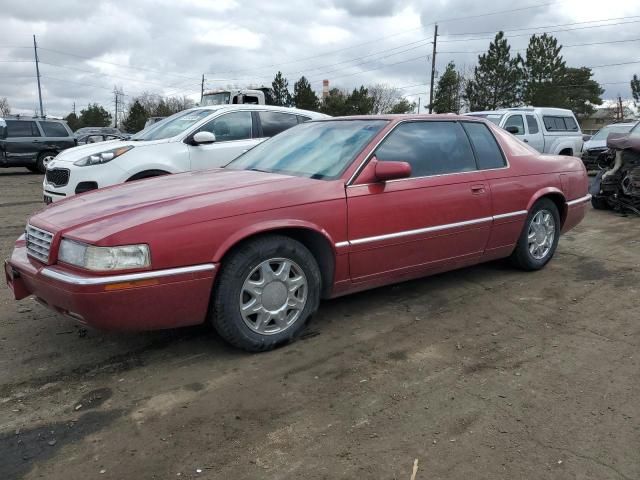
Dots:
pixel 196 217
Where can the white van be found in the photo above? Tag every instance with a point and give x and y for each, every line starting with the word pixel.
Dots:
pixel 548 130
pixel 194 139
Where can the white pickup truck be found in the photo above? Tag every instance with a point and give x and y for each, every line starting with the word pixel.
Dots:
pixel 548 130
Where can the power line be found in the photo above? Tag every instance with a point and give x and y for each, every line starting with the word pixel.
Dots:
pixel 562 45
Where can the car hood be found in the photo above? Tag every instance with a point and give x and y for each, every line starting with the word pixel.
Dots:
pixel 588 145
pixel 188 198
pixel 74 154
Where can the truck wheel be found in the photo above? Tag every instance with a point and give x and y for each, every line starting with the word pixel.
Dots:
pixel 539 237
pixel 265 292
pixel 41 163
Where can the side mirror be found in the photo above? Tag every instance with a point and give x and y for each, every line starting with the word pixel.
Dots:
pixel 586 138
pixel 386 171
pixel 512 129
pixel 203 138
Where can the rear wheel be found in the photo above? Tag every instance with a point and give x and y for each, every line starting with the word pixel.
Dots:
pixel 265 293
pixel 539 238
pixel 41 163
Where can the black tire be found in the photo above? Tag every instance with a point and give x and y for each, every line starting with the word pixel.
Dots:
pixel 521 256
pixel 225 314
pixel 40 167
pixel 600 203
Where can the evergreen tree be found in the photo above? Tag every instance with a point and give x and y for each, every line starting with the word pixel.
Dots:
pixel 447 94
pixel 403 106
pixel 280 87
pixel 496 80
pixel 335 104
pixel 73 121
pixel 543 69
pixel 579 92
pixel 635 89
pixel 94 116
pixel 136 118
pixel 304 96
pixel 162 110
pixel 359 102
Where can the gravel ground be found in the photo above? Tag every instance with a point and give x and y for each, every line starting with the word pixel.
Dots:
pixel 483 373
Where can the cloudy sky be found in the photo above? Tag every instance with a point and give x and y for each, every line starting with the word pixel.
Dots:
pixel 88 47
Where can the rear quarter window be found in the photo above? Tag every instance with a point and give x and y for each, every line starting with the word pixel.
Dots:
pixel 485 146
pixel 54 129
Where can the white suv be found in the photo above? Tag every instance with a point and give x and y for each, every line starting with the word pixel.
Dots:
pixel 195 139
pixel 548 130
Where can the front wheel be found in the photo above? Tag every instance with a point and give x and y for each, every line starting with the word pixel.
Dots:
pixel 41 164
pixel 266 291
pixel 539 238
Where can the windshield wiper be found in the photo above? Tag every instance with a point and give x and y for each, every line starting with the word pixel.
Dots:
pixel 258 170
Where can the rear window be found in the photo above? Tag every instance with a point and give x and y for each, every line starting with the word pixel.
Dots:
pixel 275 122
pixel 485 146
pixel 560 124
pixel 17 128
pixel 532 123
pixel 54 129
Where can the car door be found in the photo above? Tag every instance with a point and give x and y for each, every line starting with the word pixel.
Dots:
pixel 234 133
pixel 56 136
pixel 23 142
pixel 534 135
pixel 440 215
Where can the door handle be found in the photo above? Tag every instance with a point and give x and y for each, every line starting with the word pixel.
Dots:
pixel 477 189
pixel 525 140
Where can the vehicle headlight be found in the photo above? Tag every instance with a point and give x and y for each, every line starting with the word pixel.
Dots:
pixel 102 157
pixel 104 258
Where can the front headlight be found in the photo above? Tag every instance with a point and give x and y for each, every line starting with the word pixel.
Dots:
pixel 104 258
pixel 102 157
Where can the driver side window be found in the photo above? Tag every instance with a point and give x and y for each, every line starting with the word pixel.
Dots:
pixel 230 126
pixel 515 121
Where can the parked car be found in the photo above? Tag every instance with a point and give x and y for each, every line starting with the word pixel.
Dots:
pixel 548 130
pixel 152 121
pixel 324 209
pixel 97 130
pixel 596 147
pixel 32 142
pixel 194 139
pixel 100 137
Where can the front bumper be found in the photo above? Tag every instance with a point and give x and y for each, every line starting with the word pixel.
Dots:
pixel 149 300
pixel 99 175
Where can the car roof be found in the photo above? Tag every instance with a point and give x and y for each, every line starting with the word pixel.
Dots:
pixel 410 116
pixel 542 110
pixel 273 108
pixel 621 124
pixel 31 119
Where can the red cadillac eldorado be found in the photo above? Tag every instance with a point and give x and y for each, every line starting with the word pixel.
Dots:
pixel 324 209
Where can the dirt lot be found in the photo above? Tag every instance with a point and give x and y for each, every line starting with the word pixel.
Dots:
pixel 483 373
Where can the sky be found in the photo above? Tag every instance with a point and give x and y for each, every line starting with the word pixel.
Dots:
pixel 86 48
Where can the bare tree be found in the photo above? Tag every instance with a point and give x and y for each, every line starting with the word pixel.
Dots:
pixel 385 97
pixel 5 108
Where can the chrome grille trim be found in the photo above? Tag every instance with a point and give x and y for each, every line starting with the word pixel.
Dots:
pixel 38 243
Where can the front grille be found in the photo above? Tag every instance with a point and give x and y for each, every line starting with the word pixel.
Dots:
pixel 58 176
pixel 38 243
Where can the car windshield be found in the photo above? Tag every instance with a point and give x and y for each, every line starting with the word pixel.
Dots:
pixel 492 117
pixel 603 133
pixel 321 150
pixel 173 125
pixel 216 98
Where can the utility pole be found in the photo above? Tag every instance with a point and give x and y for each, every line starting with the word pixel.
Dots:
pixel 117 94
pixel 35 52
pixel 419 98
pixel 620 108
pixel 74 108
pixel 433 66
pixel 202 88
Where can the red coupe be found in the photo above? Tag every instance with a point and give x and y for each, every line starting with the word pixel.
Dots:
pixel 324 209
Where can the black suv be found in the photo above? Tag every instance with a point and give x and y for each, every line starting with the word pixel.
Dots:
pixel 32 142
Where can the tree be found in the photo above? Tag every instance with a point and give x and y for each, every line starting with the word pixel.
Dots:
pixel 335 103
pixel 579 92
pixel 447 94
pixel 5 108
pixel 94 116
pixel 403 106
pixel 359 102
pixel 496 78
pixel 304 96
pixel 543 69
pixel 73 121
pixel 635 89
pixel 136 118
pixel 281 94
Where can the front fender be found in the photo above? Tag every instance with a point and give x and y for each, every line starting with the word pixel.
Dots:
pixel 266 227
